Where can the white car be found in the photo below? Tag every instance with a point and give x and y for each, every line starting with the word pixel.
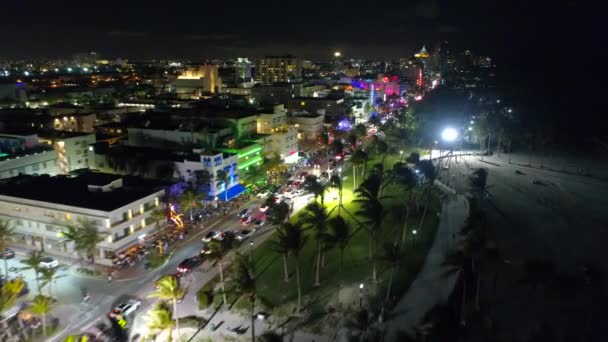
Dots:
pixel 48 262
pixel 125 309
pixel 264 194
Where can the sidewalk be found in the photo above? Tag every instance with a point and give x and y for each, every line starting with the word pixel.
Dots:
pixel 431 286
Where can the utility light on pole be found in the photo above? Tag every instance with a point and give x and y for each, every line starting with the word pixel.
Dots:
pixel 361 286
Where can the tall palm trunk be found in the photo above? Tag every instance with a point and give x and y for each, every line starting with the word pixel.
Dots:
pixel 390 283
pixel 175 314
pixel 426 207
pixel 354 176
pixel 463 320
pixel 252 319
pixel 404 232
pixel 477 291
pixel 38 281
pixel 298 285
pixel 5 268
pixel 317 280
pixel 322 258
pixel 221 267
pixel 44 325
pixel 370 247
pixel 285 272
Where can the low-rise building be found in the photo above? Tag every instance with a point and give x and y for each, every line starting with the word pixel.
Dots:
pixel 40 208
pixel 309 126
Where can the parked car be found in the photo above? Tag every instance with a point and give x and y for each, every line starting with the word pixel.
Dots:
pixel 125 309
pixel 243 234
pixel 187 265
pixel 245 212
pixel 48 262
pixel 259 223
pixel 264 194
pixel 247 220
pixel 7 254
pixel 210 236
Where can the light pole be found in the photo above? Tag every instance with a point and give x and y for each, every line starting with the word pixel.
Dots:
pixel 449 135
pixel 414 232
pixel 361 286
pixel 252 255
pixel 401 155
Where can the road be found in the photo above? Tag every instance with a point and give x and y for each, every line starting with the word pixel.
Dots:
pixel 82 317
pixel 537 213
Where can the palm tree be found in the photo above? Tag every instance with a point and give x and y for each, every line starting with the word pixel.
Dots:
pixel 430 173
pixel 281 246
pixel 340 234
pixel 358 158
pixel 372 211
pixel 290 241
pixel 161 319
pixel 7 231
pixel 9 293
pixel 85 236
pixel 48 275
pixel 315 217
pixel 382 149
pixel 41 306
pixel 244 285
pixel 312 185
pixel 392 256
pixel 158 215
pixel 223 177
pixel 169 289
pixel 32 262
pixel 189 200
pixel 219 249
pixel 404 176
pixel 280 213
pixel 335 181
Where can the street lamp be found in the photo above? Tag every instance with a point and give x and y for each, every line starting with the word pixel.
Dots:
pixel 414 237
pixel 361 286
pixel 449 134
pixel 252 255
pixel 400 155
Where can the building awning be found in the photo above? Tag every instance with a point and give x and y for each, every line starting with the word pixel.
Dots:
pixel 232 192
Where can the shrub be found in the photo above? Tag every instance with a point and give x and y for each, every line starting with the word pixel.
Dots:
pixel 205 297
pixel 414 158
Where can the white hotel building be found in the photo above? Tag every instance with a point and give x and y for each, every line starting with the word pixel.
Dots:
pixel 40 206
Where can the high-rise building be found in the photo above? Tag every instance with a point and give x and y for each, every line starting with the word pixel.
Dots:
pixel 242 70
pixel 193 81
pixel 271 69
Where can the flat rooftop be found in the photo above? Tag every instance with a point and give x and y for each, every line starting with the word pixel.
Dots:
pixel 73 190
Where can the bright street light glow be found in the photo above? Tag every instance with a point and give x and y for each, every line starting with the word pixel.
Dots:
pixel 337 54
pixel 361 286
pixel 449 134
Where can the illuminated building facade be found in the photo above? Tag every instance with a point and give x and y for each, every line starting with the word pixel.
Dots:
pixel 271 69
pixel 40 207
pixel 196 81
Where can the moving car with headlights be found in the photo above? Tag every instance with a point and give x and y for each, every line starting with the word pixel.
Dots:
pixel 125 309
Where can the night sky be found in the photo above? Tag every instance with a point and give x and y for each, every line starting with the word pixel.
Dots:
pixel 541 45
